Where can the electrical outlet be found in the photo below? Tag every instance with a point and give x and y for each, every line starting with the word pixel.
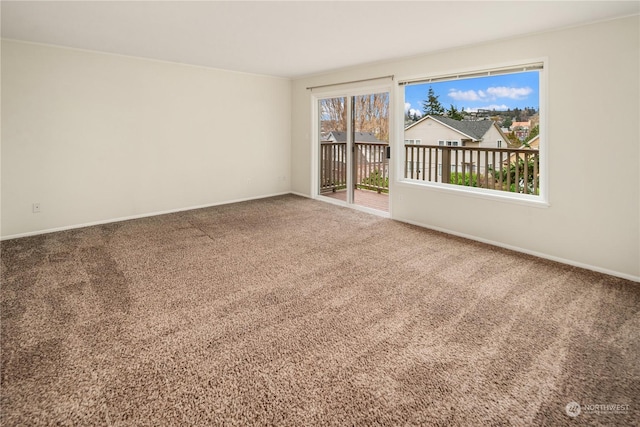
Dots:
pixel 36 207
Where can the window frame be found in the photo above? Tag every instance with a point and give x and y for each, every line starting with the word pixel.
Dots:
pixel 365 87
pixel 450 143
pixel 540 200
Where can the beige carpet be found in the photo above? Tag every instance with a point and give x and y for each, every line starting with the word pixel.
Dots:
pixel 288 311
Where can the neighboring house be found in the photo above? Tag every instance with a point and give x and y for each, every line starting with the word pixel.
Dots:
pixel 369 147
pixel 531 161
pixel 534 144
pixel 521 129
pixel 443 131
pixel 438 130
pixel 360 137
pixel 370 156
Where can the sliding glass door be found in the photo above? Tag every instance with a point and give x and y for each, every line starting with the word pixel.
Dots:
pixel 353 149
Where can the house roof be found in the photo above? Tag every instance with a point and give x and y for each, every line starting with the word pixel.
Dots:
pixel 472 129
pixel 533 142
pixel 359 137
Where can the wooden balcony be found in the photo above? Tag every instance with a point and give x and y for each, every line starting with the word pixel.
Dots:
pixel 371 173
pixel 371 167
pixel 505 169
pixel 366 198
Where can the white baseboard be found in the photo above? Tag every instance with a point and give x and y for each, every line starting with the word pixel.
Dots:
pixel 526 251
pixel 295 193
pixel 145 215
pixel 443 230
pixel 501 245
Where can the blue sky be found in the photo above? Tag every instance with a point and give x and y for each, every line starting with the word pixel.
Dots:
pixel 501 92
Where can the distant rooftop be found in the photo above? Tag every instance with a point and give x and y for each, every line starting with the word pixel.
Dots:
pixel 339 136
pixel 474 128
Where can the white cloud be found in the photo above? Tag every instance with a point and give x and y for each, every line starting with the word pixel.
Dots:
pixel 469 95
pixel 491 94
pixel 412 111
pixel 509 92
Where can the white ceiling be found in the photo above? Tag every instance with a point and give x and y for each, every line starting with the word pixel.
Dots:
pixel 289 38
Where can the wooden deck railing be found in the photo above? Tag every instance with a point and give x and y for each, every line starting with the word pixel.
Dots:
pixel 507 169
pixel 333 166
pixel 371 166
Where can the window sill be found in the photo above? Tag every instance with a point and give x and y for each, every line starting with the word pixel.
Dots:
pixel 479 193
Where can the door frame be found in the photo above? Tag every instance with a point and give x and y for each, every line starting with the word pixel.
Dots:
pixel 349 91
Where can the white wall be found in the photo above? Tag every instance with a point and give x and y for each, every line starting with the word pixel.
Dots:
pixel 95 137
pixel 593 141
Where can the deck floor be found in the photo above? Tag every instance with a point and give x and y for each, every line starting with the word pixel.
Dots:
pixel 366 198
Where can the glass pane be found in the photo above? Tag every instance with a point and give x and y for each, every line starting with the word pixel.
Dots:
pixel 333 147
pixel 371 137
pixel 485 130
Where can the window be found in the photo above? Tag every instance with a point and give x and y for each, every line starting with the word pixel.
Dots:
pixel 480 102
pixel 449 143
pixel 413 141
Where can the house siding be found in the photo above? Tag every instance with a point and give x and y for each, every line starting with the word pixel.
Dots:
pixel 430 132
pixel 490 139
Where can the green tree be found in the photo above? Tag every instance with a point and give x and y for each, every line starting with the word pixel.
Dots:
pixel 454 114
pixel 513 138
pixel 509 175
pixel 432 106
pixel 535 131
pixel 507 122
pixel 467 179
pixel 376 181
pixel 516 114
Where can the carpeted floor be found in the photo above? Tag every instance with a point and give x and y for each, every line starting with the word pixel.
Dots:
pixel 289 311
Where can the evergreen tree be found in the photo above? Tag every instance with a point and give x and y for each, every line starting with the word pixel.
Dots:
pixel 454 114
pixel 534 132
pixel 432 106
pixel 516 115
